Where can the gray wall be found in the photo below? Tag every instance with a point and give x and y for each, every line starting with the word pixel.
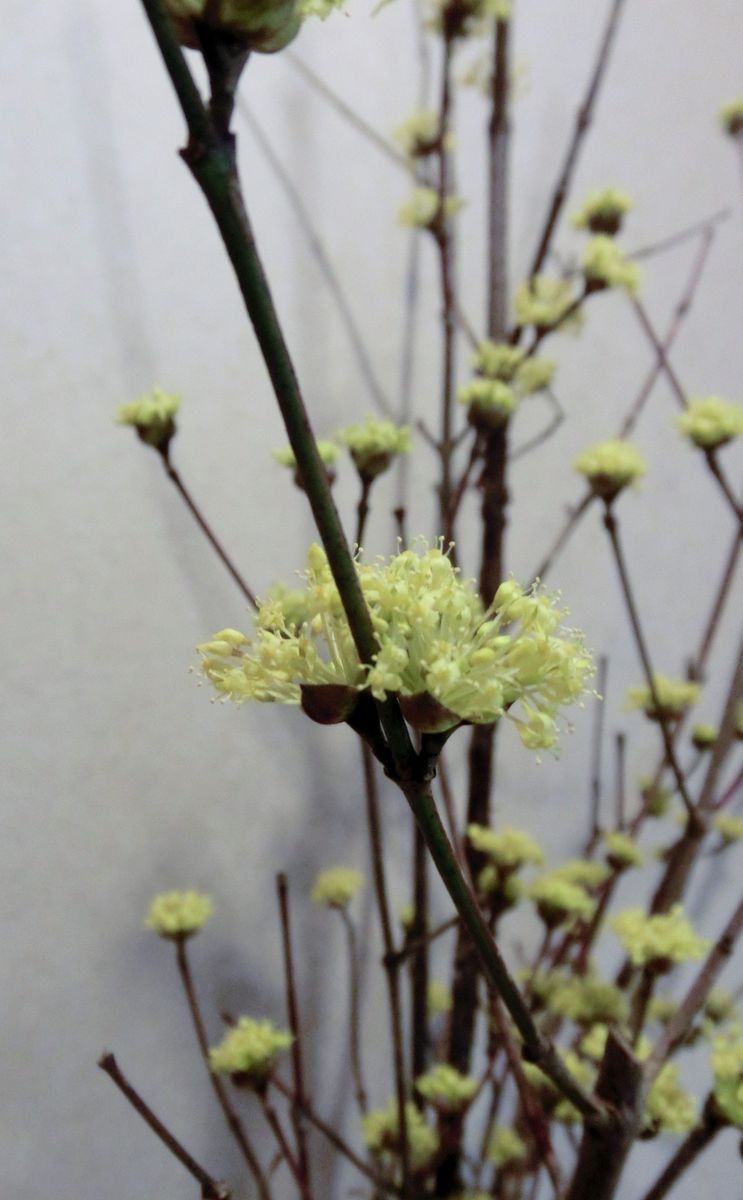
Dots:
pixel 120 778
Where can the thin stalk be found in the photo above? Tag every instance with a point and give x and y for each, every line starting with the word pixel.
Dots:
pixel 211 1189
pixel 445 244
pixel 582 125
pixel 621 780
pixel 696 670
pixel 419 957
pixel 295 1026
pixel 596 751
pixel 335 1140
pixel 612 528
pixel 354 1022
pixel 683 235
pixel 175 478
pixel 292 1162
pixel 391 968
pixel 234 1124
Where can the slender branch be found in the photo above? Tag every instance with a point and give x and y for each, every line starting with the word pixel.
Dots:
pixel 597 747
pixel 354 1023
pixel 287 1153
pixel 445 244
pixel 412 944
pixel 536 1048
pixel 419 957
pixel 234 1124
pixel 392 974
pixel 208 532
pixel 332 1136
pixel 603 1152
pixel 621 780
pixel 211 1189
pixel 336 102
pixel 684 235
pixel 582 125
pixel 556 420
pixel 612 528
pixel 292 1008
pixel 322 258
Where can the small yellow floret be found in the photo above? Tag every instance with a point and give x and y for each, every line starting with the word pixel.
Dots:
pixel 446 1088
pixel 710 422
pixel 727 1065
pixel 423 209
pixel 418 136
pixel 327 450
pixel 729 827
pixel 505 1146
pixel 374 444
pixel 506 847
pixel 179 914
pixel 602 211
pixel 152 415
pixel 668 1108
pixel 704 736
pixel 621 851
pixel 673 696
pixel 606 266
pixel 439 998
pixel 381 1130
pixel 610 467
pixel 337 887
pixel 548 303
pixel 659 940
pixel 731 116
pixel 249 1049
pixel 559 899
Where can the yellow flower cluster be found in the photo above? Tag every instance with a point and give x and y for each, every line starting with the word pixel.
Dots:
pixel 606 266
pixel 587 999
pixel 249 1050
pixel 504 376
pixel 674 697
pixel 374 444
pixel 263 25
pixel 507 847
pixel 381 1131
pixel 152 415
pixel 560 899
pixel 704 736
pixel 423 209
pixel 602 211
pixel 621 851
pixel 439 998
pixel 727 1065
pixel 327 450
pixel 548 303
pixel 446 1088
pixel 418 135
pixel 337 887
pixel 505 1146
pixel 729 827
pixel 668 1108
pixel 659 940
pixel 710 422
pixel 610 467
pixel 179 914
pixel 447 657
pixel 731 116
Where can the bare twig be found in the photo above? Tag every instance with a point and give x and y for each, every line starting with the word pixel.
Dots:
pixel 234 1124
pixel 354 1022
pixel 582 125
pixel 211 1189
pixel 288 1155
pixel 292 1008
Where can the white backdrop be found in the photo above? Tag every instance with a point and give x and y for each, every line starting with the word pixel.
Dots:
pixel 120 779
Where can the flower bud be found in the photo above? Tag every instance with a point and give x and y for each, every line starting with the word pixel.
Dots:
pixel 263 25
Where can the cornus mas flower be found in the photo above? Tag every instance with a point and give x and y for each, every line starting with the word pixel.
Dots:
pixel 423 208
pixel 606 266
pixel 337 887
pixel 446 1088
pixel 659 940
pixel 602 211
pixel 179 914
pixel 669 1108
pixel 446 657
pixel 489 402
pixel 505 1146
pixel 374 444
pixel 709 421
pixel 729 827
pixel 610 467
pixel 418 136
pixel 381 1132
pixel 509 848
pixel 621 851
pixel 439 998
pixel 704 736
pixel 673 696
pixel 731 116
pixel 548 303
pixel 249 1050
pixel 727 1065
pixel 153 417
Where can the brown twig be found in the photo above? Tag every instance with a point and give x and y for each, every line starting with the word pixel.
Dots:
pixel 582 125
pixel 234 1124
pixel 699 662
pixel 211 1189
pixel 419 933
pixel 295 1026
pixel 596 751
pixel 277 1129
pixel 175 478
pixel 445 244
pixel 354 1022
